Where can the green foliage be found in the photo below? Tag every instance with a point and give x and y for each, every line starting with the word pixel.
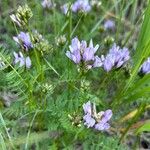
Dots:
pixel 137 87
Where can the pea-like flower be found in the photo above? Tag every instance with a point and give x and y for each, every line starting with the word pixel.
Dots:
pixel 81 5
pixel 87 108
pixel 80 53
pixel 109 25
pixel 49 4
pixel 64 8
pixel 116 58
pixel 23 61
pixel 24 40
pixel 99 121
pixel 145 68
pixel 103 123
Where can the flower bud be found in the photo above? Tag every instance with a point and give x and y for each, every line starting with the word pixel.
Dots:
pixel 60 40
pixel 108 40
pixel 41 44
pixel 96 4
pixel 21 18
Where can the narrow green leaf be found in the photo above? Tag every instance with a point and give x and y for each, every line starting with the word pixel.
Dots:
pixel 145 127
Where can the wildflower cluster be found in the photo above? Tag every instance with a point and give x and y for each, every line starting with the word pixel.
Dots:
pixel 116 58
pixel 23 61
pixel 23 39
pixel 83 6
pixel 27 41
pixel 99 121
pixel 109 25
pixel 84 55
pixel 49 4
pixel 21 18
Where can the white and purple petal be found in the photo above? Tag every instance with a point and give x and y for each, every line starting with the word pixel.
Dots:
pixel 89 121
pixel 87 107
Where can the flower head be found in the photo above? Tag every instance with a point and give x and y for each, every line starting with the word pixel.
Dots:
pixel 81 5
pixel 24 40
pixel 40 43
pixel 115 58
pixel 23 61
pixel 60 40
pixel 22 16
pixel 65 8
pixel 145 68
pixel 48 4
pixel 103 123
pixel 95 3
pixel 109 24
pixel 81 53
pixel 99 121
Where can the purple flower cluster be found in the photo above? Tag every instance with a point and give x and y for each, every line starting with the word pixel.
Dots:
pixel 81 5
pixel 24 40
pixel 109 25
pixel 145 68
pixel 115 58
pixel 78 6
pixel 81 53
pixel 23 61
pixel 99 121
pixel 48 4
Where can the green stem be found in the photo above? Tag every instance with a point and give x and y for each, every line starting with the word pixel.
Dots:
pixel 69 39
pixel 70 23
pixel 39 70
